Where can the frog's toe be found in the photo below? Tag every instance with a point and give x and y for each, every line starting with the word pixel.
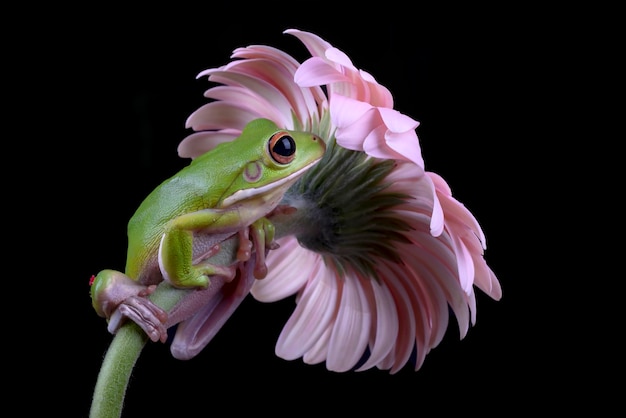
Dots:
pixel 150 318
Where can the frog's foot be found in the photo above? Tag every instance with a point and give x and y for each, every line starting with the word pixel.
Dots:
pixel 139 309
pixel 116 297
pixel 244 250
pixel 262 234
pixel 204 272
pixel 260 267
pixel 199 275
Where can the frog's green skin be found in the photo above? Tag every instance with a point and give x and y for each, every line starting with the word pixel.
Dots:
pixel 226 191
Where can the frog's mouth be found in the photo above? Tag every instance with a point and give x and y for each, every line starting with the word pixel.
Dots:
pixel 251 192
pixel 218 302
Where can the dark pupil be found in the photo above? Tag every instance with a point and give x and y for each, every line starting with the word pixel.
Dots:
pixel 285 146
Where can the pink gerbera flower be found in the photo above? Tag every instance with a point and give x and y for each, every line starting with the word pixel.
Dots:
pixel 379 249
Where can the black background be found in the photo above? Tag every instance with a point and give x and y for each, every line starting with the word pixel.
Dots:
pixel 108 95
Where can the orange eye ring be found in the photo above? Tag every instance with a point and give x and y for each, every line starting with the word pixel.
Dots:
pixel 282 147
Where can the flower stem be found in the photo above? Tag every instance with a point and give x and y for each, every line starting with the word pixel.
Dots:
pixel 129 340
pixel 120 358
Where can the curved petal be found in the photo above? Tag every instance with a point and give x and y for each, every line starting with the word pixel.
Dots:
pixel 219 115
pixel 379 95
pixel 278 76
pixel 401 135
pixel 245 99
pixel 385 324
pixel 346 112
pixel 262 88
pixel 316 72
pixel 374 144
pixel 406 145
pixel 337 56
pixel 198 143
pixel 406 330
pixel 397 122
pixel 311 318
pixel 410 179
pixel 434 257
pixel 488 282
pixel 314 44
pixel 350 333
pixel 268 53
pixel 289 268
pixel 454 208
pixel 465 264
pixel 319 350
pixel 412 283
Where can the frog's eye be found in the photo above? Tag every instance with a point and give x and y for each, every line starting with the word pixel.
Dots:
pixel 282 147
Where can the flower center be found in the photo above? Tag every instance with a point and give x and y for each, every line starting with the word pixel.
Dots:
pixel 345 213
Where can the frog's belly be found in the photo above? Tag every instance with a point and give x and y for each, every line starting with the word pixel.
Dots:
pixel 203 244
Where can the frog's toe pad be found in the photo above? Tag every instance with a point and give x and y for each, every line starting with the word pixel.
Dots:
pixel 143 312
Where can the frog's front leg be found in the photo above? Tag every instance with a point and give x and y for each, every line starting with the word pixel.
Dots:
pixel 263 232
pixel 176 249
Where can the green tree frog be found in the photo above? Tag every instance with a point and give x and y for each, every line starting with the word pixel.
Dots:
pixel 229 190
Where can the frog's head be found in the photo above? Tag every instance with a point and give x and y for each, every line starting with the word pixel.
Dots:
pixel 273 159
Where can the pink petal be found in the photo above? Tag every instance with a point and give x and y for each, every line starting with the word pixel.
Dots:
pixel 312 96
pixel 397 122
pixel 317 72
pixel 412 288
pixel 282 263
pixel 401 136
pixel 350 333
pixel 406 332
pixel 339 57
pixel 278 76
pixel 316 45
pixel 385 324
pixel 374 144
pixel 219 115
pixel 492 285
pixel 312 316
pixel 435 257
pixel 437 220
pixel 270 92
pixel 433 301
pixel 319 350
pixel 410 179
pixel 453 208
pixel 407 145
pixel 198 143
pixel 268 53
pixel 379 95
pixel 428 301
pixel 346 112
pixel 465 264
pixel 471 304
pixel 247 99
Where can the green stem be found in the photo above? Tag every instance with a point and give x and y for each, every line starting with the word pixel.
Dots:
pixel 126 346
pixel 120 358
pixel 114 375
